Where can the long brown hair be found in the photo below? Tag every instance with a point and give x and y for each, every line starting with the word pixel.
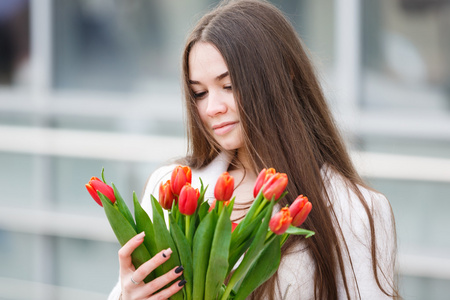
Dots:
pixel 286 123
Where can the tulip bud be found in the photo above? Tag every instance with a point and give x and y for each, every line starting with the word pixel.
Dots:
pixel 263 177
pixel 95 185
pixel 280 221
pixel 166 196
pixel 275 186
pixel 299 210
pixel 187 201
pixel 212 206
pixel 224 187
pixel 180 176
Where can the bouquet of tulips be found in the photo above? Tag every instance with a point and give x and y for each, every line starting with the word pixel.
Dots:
pixel 221 259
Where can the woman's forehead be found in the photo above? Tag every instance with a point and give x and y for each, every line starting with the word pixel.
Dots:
pixel 205 61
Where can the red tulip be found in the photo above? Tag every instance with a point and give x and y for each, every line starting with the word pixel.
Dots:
pixel 95 185
pixel 224 187
pixel 187 202
pixel 233 226
pixel 275 186
pixel 166 196
pixel 299 210
pixel 263 177
pixel 180 176
pixel 280 221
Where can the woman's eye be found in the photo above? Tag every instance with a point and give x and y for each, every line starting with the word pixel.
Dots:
pixel 199 95
pixel 228 87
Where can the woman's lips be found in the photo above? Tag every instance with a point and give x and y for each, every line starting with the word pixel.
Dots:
pixel 224 128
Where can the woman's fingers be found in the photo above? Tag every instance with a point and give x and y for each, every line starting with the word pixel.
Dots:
pixel 172 290
pixel 132 279
pixel 125 252
pixel 163 280
pixel 147 267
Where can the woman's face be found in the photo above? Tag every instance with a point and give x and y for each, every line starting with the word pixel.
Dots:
pixel 211 85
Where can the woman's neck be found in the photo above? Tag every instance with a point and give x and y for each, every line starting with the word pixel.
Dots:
pixel 244 179
pixel 241 160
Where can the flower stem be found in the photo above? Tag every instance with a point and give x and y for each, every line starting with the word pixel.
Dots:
pixel 188 221
pixel 261 206
pixel 284 238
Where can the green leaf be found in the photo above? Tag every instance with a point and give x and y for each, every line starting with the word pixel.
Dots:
pixel 241 235
pixel 300 231
pixel 263 268
pixel 122 206
pixel 103 175
pixel 251 212
pixel 157 207
pixel 218 260
pixel 124 231
pixel 201 248
pixel 164 240
pixel 143 223
pixel 252 253
pixel 203 210
pixel 185 254
pixel 242 239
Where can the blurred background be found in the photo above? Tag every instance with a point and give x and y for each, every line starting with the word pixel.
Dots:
pixel 86 84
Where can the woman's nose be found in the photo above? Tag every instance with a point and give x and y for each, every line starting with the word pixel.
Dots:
pixel 216 104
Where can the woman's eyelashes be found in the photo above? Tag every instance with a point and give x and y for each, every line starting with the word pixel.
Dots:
pixel 199 95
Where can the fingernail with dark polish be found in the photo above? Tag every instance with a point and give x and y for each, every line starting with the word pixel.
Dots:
pixel 182 282
pixel 167 252
pixel 179 269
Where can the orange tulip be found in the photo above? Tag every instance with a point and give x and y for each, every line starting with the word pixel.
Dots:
pixel 187 202
pixel 95 185
pixel 263 177
pixel 166 196
pixel 180 176
pixel 280 221
pixel 299 210
pixel 275 186
pixel 224 187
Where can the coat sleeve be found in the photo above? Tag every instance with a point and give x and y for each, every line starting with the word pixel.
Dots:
pixel 358 238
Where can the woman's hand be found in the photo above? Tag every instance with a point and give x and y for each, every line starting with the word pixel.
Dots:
pixel 133 286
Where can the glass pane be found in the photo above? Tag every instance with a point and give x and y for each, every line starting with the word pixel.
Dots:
pixel 16 179
pixel 16 259
pixel 417 288
pixel 136 46
pixel 71 175
pixel 15 119
pixel 406 65
pixel 127 123
pixel 421 212
pixel 14 42
pixel 119 46
pixel 405 146
pixel 86 265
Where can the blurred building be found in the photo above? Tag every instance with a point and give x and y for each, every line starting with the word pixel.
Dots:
pixel 92 84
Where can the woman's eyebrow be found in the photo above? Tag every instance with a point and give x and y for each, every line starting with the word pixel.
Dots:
pixel 218 78
pixel 222 76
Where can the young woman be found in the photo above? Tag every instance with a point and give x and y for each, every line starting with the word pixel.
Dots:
pixel 253 101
